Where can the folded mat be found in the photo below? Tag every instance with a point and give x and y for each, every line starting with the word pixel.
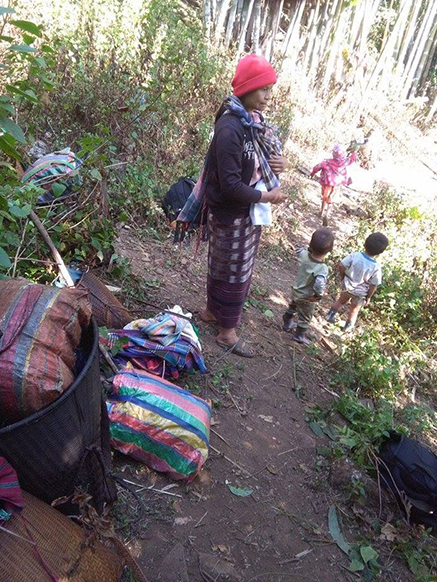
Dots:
pixel 51 547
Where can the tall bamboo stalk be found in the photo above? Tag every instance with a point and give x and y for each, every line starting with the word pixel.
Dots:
pixel 419 45
pixel 244 26
pixel 276 19
pixel 426 55
pixel 256 30
pixel 432 110
pixel 207 18
pixel 230 23
pixel 222 12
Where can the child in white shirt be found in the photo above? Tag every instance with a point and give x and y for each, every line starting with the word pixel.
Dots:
pixel 361 274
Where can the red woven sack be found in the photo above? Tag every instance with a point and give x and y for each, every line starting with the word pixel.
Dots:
pixel 41 326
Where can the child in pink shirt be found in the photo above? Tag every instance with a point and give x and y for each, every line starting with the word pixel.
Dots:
pixel 333 173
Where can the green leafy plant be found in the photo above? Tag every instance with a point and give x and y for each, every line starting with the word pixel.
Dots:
pixel 23 75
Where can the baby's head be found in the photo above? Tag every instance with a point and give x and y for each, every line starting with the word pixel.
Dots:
pixel 322 242
pixel 375 244
pixel 339 152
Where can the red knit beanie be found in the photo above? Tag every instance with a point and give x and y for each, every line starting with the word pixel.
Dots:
pixel 253 72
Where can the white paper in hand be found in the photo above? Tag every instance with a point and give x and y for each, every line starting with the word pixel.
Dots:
pixel 261 212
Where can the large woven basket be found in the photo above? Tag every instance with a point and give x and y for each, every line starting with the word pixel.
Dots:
pixel 66 444
pixel 107 309
pixel 61 545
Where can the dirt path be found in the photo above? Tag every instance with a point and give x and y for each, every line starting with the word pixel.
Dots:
pixel 261 440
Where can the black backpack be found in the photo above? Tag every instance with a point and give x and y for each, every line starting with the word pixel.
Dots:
pixel 409 470
pixel 175 199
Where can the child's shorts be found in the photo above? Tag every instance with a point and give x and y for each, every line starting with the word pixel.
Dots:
pixel 327 192
pixel 354 299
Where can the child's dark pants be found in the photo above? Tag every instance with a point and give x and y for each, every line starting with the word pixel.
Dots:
pixel 304 310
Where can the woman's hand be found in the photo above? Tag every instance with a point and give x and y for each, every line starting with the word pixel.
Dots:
pixel 275 196
pixel 278 164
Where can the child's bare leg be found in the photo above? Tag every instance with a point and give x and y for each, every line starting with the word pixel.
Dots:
pixel 342 300
pixel 353 313
pixel 322 210
pixel 356 303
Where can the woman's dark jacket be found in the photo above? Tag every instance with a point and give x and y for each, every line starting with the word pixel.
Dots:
pixel 230 168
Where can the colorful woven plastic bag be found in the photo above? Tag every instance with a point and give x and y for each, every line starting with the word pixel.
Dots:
pixel 159 424
pixel 40 327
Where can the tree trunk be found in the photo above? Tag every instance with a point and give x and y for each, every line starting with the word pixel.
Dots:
pixel 314 15
pixel 243 29
pixel 256 30
pixel 239 18
pixel 231 22
pixel 276 20
pixel 430 60
pixel 410 31
pixel 384 37
pixel 207 18
pixel 221 17
pixel 336 34
pixel 432 111
pixel 265 13
pixel 427 55
pixel 387 51
pixel 213 10
pixel 290 29
pixel 419 45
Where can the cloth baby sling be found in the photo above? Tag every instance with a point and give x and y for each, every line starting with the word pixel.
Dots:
pixel 265 143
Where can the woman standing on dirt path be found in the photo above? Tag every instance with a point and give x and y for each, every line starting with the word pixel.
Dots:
pixel 240 158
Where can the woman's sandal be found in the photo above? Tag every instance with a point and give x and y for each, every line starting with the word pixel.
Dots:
pixel 239 349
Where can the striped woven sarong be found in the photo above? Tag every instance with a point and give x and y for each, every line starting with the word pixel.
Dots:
pixel 137 349
pixel 231 258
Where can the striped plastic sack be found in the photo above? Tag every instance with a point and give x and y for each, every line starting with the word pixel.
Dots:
pixel 159 424
pixel 55 167
pixel 40 328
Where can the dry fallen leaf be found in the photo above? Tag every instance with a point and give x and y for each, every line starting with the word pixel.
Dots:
pixel 182 520
pixel 265 418
pixel 221 548
pixel 388 532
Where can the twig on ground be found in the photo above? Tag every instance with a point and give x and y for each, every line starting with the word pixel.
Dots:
pixel 229 460
pixel 163 492
pixel 374 461
pixel 213 390
pixel 273 375
pixel 329 391
pixel 288 451
pixel 23 234
pixel 226 353
pixel 201 519
pixel 328 345
pixel 108 358
pixel 241 412
pixel 295 386
pixel 72 227
pixel 296 558
pixel 61 265
pixel 257 473
pixel 220 437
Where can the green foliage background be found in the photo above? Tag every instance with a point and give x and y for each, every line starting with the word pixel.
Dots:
pixel 133 87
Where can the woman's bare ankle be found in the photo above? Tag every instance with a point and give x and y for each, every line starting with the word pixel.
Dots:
pixel 207 316
pixel 227 336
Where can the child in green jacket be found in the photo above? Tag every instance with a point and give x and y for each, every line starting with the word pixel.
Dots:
pixel 310 283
